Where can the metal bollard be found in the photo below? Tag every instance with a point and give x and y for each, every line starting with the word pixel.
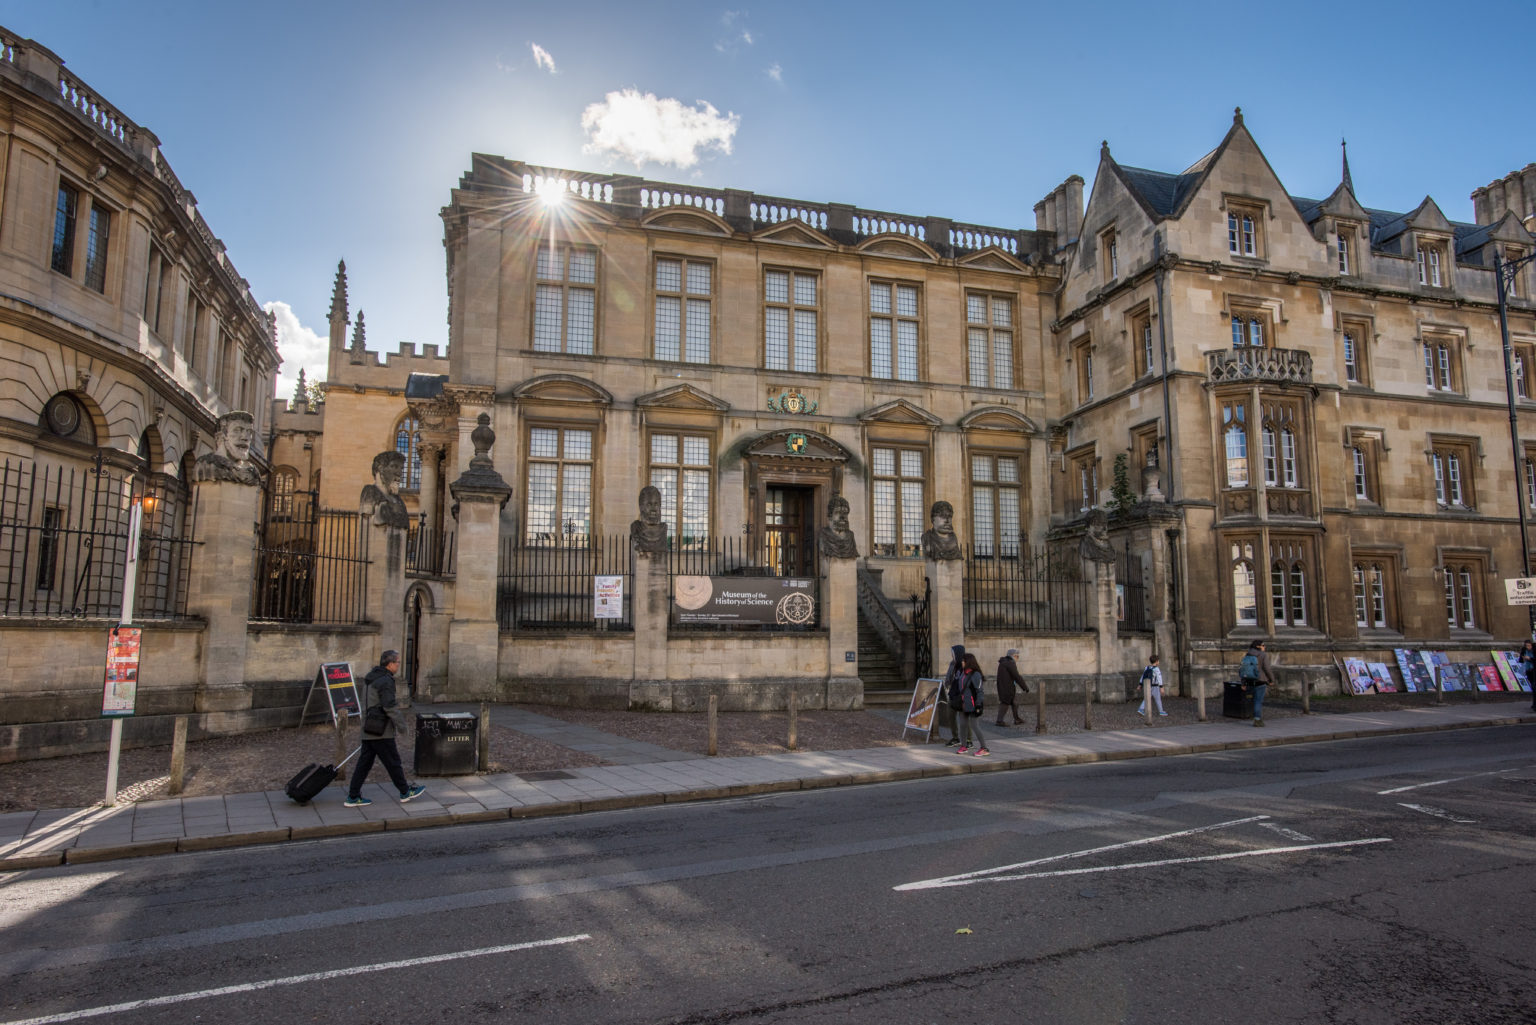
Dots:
pixel 178 756
pixel 714 731
pixel 793 741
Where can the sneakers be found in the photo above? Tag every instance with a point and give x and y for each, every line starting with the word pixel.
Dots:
pixel 982 752
pixel 1141 711
pixel 962 749
pixel 413 793
pixel 1162 713
pixel 951 742
pixel 356 802
pixel 1258 722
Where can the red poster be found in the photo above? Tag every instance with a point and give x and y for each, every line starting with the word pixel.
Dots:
pixel 121 687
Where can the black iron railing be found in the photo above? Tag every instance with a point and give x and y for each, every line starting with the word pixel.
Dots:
pixel 555 588
pixel 1039 590
pixel 1131 593
pixel 311 563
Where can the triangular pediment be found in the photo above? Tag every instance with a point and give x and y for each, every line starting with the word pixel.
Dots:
pixel 683 396
pixel 992 258
pixel 998 418
pixel 795 233
pixel 790 444
pixel 686 219
pixel 1509 229
pixel 562 388
pixel 900 246
pixel 1342 204
pixel 899 411
pixel 1429 218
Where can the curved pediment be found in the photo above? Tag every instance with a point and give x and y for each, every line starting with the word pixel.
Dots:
pixel 904 247
pixel 900 411
pixel 687 219
pixel 998 418
pixel 789 444
pixel 993 258
pixel 562 388
pixel 683 396
pixel 794 233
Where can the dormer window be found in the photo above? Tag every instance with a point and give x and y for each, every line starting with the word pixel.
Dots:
pixel 1341 245
pixel 1428 258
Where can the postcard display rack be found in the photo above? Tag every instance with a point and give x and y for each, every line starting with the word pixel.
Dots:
pixel 1417 672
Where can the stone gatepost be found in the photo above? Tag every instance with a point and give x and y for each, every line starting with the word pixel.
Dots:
pixel 946 571
pixel 386 521
pixel 227 489
pixel 1099 570
pixel 474 639
pixel 839 551
pixel 651 605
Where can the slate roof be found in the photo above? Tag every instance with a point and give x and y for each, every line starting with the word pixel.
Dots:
pixel 1164 193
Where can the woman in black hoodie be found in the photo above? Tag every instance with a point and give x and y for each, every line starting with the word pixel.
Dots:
pixel 952 692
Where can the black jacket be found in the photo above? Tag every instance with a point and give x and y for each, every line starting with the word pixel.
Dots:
pixel 1008 677
pixel 379 689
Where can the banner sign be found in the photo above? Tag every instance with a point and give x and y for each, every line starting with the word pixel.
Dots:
pixel 607 597
pixel 781 600
pixel 924 708
pixel 340 688
pixel 1520 590
pixel 121 688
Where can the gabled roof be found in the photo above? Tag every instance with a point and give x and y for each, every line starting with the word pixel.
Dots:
pixel 1164 194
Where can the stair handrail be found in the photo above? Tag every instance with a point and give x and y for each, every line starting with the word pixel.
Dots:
pixel 894 631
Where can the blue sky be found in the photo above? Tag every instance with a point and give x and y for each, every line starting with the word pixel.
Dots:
pixel 331 129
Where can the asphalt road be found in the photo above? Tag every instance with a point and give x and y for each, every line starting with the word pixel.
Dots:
pixel 1389 880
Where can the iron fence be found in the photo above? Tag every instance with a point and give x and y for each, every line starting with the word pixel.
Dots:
pixel 1131 593
pixel 1039 589
pixel 64 542
pixel 747 556
pixel 311 563
pixel 546 587
pixel 429 552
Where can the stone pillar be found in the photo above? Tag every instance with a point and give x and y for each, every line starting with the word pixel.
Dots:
pixel 1109 684
pixel 651 609
pixel 474 640
pixel 844 688
pixel 426 503
pixel 219 590
pixel 386 582
pixel 946 609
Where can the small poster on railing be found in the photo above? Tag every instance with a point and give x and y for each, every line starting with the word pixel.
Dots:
pixel 121 688
pixel 607 597
pixel 786 601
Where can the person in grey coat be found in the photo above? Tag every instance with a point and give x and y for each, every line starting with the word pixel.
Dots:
pixel 379 692
pixel 1008 677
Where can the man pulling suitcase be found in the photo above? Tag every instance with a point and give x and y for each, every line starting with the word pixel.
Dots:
pixel 381 719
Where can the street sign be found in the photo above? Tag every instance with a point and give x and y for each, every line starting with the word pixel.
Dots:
pixel 1520 590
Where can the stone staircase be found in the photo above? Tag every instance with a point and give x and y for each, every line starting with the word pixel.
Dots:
pixel 884 684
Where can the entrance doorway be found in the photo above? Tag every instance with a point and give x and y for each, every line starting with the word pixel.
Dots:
pixel 789 520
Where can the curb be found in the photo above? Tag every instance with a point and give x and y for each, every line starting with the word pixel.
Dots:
pixel 190 844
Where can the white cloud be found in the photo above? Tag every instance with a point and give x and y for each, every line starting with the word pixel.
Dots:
pixel 642 128
pixel 542 59
pixel 776 72
pixel 299 347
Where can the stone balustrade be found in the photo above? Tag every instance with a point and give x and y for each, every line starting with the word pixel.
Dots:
pixel 1283 365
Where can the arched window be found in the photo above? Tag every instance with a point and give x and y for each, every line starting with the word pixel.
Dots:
pixel 1245 597
pixel 408 444
pixel 284 483
pixel 1288 593
pixel 1370 595
pixel 1237 456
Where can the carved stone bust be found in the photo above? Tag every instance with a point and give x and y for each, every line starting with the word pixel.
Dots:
pixel 381 500
pixel 836 539
pixel 648 534
pixel 230 459
pixel 1095 546
pixel 939 540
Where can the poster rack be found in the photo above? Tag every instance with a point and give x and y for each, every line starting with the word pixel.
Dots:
pixel 336 682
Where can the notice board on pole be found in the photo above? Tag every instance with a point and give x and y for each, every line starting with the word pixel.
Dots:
pixel 121 688
pixel 340 687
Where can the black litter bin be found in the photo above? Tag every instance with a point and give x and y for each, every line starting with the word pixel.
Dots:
pixel 1236 700
pixel 445 743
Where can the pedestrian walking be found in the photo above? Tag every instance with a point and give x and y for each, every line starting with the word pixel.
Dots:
pixel 971 707
pixel 1152 687
pixel 1528 664
pixel 952 692
pixel 1009 678
pixel 381 719
pixel 1254 671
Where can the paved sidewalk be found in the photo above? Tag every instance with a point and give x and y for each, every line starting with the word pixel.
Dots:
pixel 644 774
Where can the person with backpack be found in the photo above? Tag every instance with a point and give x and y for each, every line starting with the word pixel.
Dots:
pixel 1008 677
pixel 968 719
pixel 1151 687
pixel 383 718
pixel 952 692
pixel 1254 672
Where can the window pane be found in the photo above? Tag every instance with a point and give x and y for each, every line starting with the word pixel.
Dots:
pixel 695 506
pixel 911 517
pixel 776 286
pixel 544 443
pixel 776 338
pixel 668 327
pixel 1002 359
pixel 583 266
pixel 1237 457
pixel 1008 470
pixel 549 264
pixel 669 276
pixel 884 460
pixel 546 319
pixel 663 448
pixel 696 451
pixel 906 350
pixel 699 278
pixel 976 356
pixel 579 327
pixel 805 340
pixel 1244 594
pixel 1298 596
pixel 805 290
pixel 911 463
pixel 983 533
pixel 880 347
pixel 906 300
pixel 664 479
pixel 981 468
pixel 698 331
pixel 884 516
pixel 1008 520
pixel 578 444
pixel 96 249
pixel 976 309
pixel 576 502
pixel 1277 593
pixel 541 501
pixel 1002 313
pixel 879 298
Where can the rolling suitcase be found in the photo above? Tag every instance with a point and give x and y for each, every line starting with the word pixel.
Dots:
pixel 314 778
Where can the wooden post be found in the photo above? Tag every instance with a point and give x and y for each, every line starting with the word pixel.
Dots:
pixel 714 732
pixel 1306 694
pixel 483 740
pixel 1088 704
pixel 178 755
pixel 1040 726
pixel 793 742
pixel 339 727
pixel 1200 699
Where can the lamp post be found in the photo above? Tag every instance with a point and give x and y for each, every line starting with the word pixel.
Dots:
pixel 1504 272
pixel 142 505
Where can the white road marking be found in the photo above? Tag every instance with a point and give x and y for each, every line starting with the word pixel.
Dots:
pixel 292 980
pixel 1289 834
pixel 1439 813
pixel 1440 782
pixel 1080 854
pixel 932 884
